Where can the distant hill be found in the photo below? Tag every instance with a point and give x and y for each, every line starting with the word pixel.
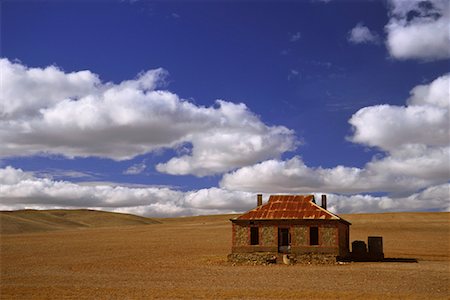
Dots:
pixel 28 221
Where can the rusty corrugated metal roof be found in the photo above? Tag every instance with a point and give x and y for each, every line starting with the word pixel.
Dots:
pixel 289 207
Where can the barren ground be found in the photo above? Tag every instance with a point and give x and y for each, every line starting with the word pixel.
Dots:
pixel 186 258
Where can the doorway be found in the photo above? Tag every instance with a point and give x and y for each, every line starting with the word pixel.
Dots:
pixel 284 240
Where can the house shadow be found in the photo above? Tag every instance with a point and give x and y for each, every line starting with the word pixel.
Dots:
pixel 385 259
pixel 400 259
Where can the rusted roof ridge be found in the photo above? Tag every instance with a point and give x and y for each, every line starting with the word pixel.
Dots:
pixel 290 198
pixel 289 207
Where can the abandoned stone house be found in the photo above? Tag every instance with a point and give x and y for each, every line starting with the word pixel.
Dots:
pixel 291 224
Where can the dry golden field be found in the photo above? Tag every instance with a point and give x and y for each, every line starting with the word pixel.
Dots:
pixel 185 258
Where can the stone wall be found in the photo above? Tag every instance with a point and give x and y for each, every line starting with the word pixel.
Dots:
pixel 257 258
pixel 330 239
pixel 299 235
pixel 344 240
pixel 266 258
pixel 240 235
pixel 328 236
pixel 268 235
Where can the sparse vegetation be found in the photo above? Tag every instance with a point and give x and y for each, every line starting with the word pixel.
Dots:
pixel 186 258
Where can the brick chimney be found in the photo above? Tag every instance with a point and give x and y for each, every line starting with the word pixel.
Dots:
pixel 324 201
pixel 259 200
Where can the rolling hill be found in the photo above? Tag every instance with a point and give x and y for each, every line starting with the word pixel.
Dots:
pixel 28 221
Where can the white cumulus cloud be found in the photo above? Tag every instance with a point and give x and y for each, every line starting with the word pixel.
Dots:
pixel 232 145
pixel 361 34
pixel 434 198
pixel 19 190
pixel 135 169
pixel 23 190
pixel 390 174
pixel 419 29
pixel 48 111
pixel 425 120
pixel 415 139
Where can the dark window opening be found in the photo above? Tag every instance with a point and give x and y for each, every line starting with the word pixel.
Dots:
pixel 314 235
pixel 254 236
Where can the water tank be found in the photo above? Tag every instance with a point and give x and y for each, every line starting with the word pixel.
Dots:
pixel 359 250
pixel 375 244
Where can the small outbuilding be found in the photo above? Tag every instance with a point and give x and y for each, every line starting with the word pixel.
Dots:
pixel 290 224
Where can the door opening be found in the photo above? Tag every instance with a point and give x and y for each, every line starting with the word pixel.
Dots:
pixel 284 240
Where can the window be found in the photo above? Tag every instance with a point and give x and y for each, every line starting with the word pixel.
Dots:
pixel 254 236
pixel 313 235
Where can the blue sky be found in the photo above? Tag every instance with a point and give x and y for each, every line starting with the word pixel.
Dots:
pixel 332 96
